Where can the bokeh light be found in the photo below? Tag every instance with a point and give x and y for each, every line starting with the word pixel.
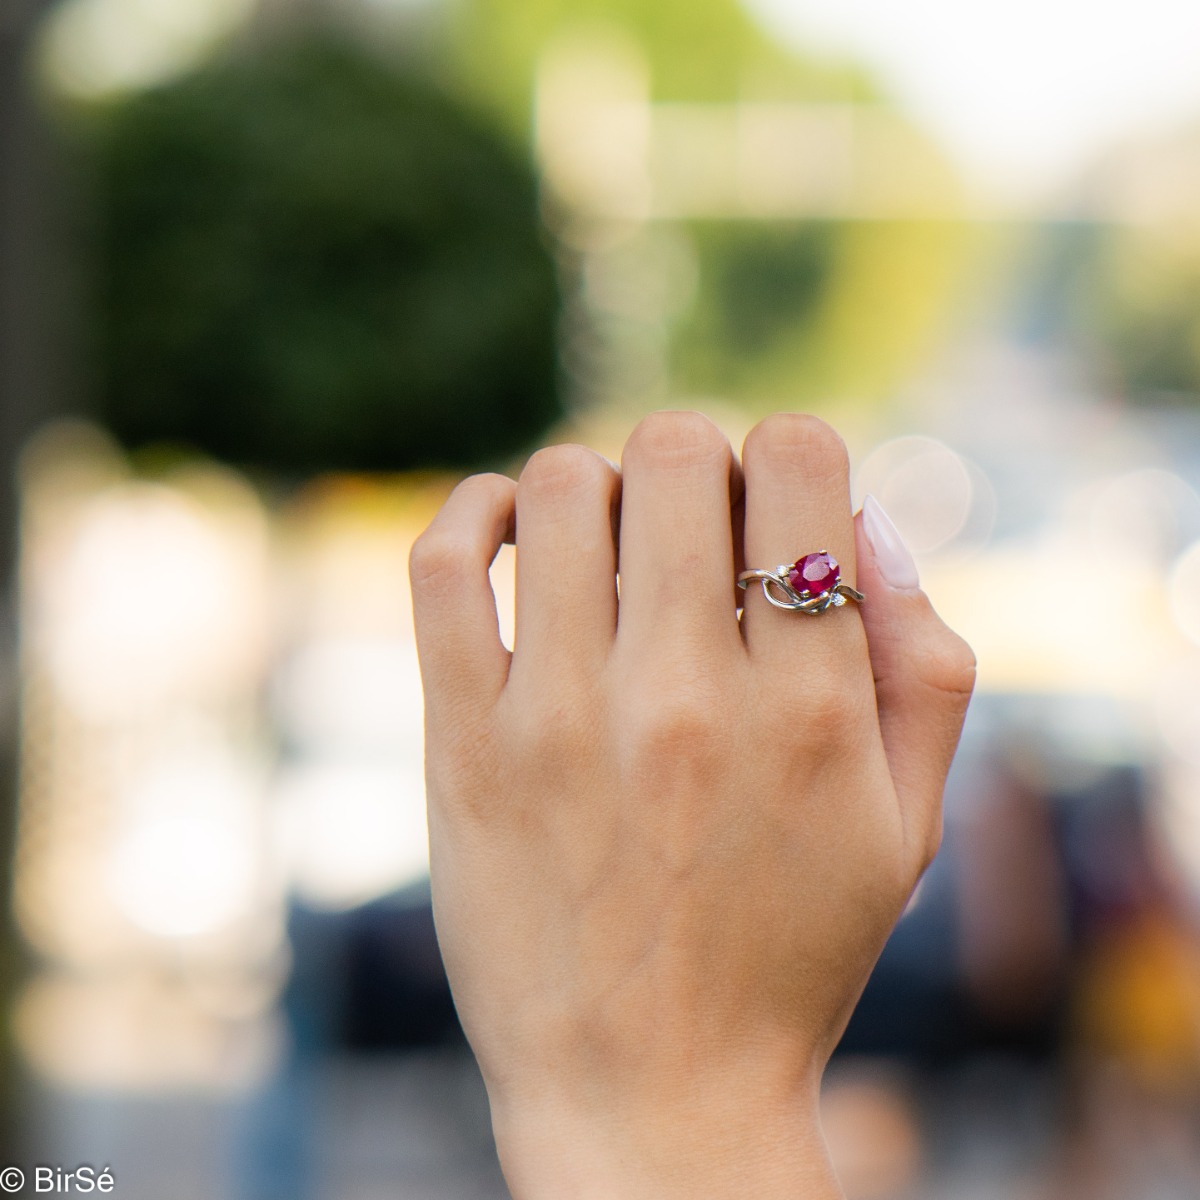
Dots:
pixel 1023 109
pixel 939 500
pixel 186 862
pixel 96 47
pixel 352 832
pixel 1185 593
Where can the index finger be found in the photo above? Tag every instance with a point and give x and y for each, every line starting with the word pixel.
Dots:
pixel 463 660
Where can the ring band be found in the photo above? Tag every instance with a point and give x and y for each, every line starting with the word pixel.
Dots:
pixel 812 584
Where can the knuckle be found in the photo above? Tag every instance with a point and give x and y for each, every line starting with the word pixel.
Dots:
pixel 556 471
pixel 681 725
pixel 824 707
pixel 435 561
pixel 672 439
pixel 785 441
pixel 440 558
pixel 825 716
pixel 949 665
pixel 551 729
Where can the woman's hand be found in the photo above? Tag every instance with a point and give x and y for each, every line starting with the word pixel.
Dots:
pixel 667 845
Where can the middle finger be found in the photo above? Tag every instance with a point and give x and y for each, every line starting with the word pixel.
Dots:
pixel 676 555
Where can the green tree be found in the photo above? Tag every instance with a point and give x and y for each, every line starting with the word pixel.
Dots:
pixel 307 258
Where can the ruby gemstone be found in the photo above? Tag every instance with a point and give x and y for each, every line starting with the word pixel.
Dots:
pixel 814 574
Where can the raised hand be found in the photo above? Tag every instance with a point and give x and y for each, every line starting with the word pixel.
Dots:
pixel 668 844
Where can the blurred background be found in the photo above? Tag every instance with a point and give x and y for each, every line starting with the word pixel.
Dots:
pixel 275 273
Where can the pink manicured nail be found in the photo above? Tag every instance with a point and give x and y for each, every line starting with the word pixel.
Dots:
pixel 892 556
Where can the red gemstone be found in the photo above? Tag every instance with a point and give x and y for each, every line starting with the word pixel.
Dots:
pixel 814 574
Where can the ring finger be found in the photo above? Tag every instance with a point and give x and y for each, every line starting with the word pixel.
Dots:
pixel 797 502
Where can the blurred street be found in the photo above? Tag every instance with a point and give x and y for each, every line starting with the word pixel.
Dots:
pixel 276 274
pixel 411 1127
pixel 415 1127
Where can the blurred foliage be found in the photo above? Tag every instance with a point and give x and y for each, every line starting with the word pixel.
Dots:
pixel 761 289
pixel 804 312
pixel 695 50
pixel 1137 292
pixel 785 312
pixel 307 259
pixel 308 256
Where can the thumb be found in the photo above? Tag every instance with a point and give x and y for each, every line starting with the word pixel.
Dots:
pixel 924 674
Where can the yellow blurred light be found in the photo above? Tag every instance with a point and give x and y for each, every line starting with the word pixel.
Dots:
pixel 1041 618
pixel 349 807
pixel 593 124
pixel 144 640
pixel 138 1031
pixel 149 599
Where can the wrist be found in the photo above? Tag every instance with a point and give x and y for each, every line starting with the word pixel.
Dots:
pixel 717 1146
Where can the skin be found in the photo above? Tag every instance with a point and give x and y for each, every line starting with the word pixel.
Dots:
pixel 667 846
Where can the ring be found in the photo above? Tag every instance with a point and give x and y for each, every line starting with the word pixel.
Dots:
pixel 811 584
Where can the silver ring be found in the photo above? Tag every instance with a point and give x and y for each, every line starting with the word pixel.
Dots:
pixel 812 584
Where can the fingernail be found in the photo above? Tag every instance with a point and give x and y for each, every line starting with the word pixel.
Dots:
pixel 892 556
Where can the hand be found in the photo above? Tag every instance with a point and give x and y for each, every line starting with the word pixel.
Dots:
pixel 667 846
